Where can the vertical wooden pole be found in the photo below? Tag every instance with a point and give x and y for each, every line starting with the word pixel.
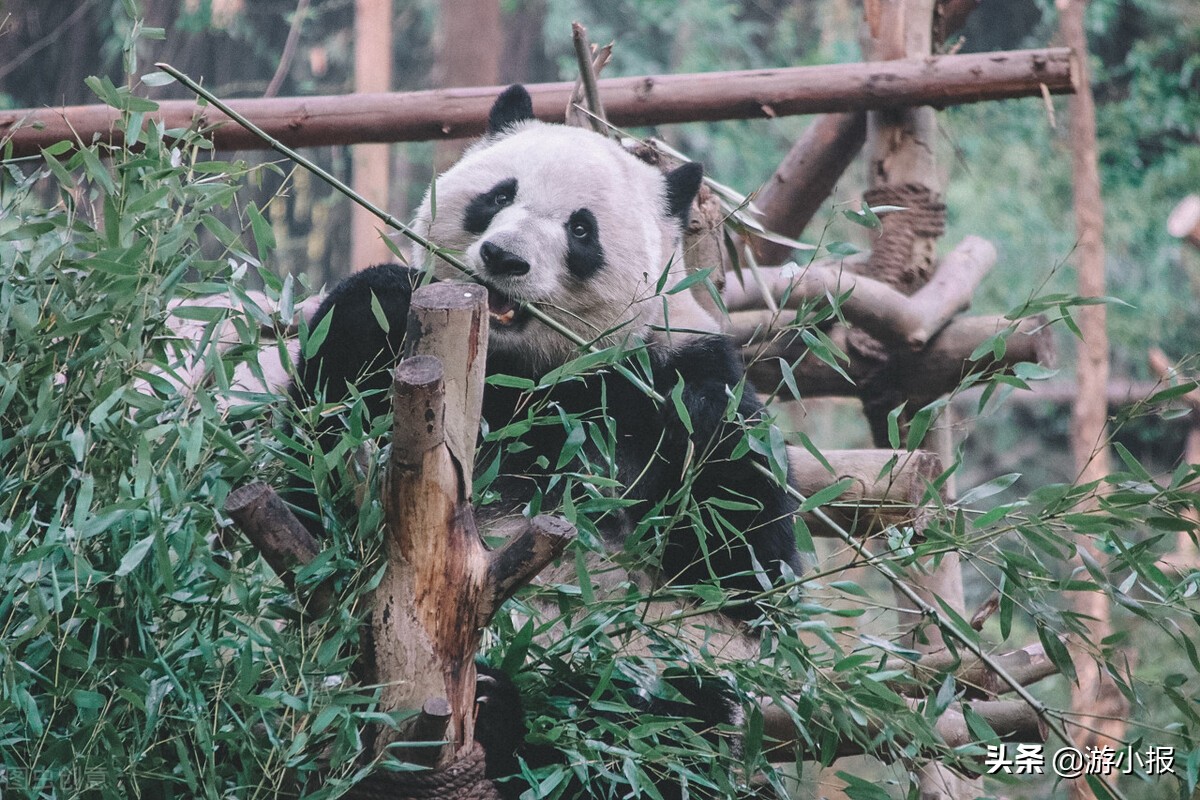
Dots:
pixel 1100 706
pixel 470 39
pixel 900 157
pixel 371 163
pixel 442 585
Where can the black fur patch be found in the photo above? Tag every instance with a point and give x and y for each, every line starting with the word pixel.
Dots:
pixel 484 207
pixel 585 255
pixel 512 106
pixel 682 185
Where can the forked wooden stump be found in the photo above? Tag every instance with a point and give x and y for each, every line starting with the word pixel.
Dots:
pixel 442 584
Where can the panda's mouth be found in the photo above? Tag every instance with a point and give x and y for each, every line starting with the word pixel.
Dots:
pixel 504 311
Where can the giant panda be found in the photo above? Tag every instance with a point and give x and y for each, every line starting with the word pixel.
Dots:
pixel 568 221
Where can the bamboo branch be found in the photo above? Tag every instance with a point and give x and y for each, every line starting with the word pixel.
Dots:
pixel 587 75
pixel 1053 720
pixel 575 116
pixel 649 100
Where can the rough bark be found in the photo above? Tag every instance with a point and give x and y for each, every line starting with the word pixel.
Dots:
pixel 888 315
pixel 281 539
pixel 1100 706
pixel 371 170
pixel 650 100
pixel 805 178
pixel 442 585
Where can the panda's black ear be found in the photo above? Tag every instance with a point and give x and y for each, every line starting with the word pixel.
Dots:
pixel 682 184
pixel 512 106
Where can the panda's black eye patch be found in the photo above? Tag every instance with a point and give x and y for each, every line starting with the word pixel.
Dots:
pixel 486 205
pixel 584 253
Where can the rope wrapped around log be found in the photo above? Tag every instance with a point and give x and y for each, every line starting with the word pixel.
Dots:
pixel 463 779
pixel 892 254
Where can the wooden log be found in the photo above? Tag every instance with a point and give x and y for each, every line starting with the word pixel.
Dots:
pixel 889 488
pixel 922 376
pixel 429 556
pixel 950 290
pixel 1012 720
pixel 1027 666
pixel 449 319
pixel 888 315
pixel 442 584
pixel 647 100
pixel 281 539
pixel 869 304
pixel 805 178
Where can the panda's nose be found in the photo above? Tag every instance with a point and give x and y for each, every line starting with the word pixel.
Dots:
pixel 499 261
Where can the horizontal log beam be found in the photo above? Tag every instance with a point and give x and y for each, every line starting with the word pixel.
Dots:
pixel 1012 720
pixel 648 100
pixel 888 489
pixel 922 376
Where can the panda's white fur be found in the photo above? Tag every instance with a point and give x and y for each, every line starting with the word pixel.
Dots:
pixel 559 170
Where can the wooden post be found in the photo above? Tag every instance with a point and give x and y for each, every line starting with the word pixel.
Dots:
pixel 902 170
pixel 1098 704
pixel 442 585
pixel 371 171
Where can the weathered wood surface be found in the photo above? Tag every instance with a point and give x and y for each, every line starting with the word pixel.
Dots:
pixel 455 113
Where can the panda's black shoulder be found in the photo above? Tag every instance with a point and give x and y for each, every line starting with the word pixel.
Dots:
pixel 703 359
pixel 355 343
pixel 391 283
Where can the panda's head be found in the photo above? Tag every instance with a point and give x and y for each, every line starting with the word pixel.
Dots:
pixel 564 219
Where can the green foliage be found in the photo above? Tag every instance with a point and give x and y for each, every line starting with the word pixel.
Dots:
pixel 140 653
pixel 144 653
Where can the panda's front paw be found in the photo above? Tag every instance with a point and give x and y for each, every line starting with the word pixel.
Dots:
pixel 499 720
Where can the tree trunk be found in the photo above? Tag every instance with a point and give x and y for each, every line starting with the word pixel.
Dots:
pixel 901 164
pixel 372 162
pixel 468 54
pixel 1100 707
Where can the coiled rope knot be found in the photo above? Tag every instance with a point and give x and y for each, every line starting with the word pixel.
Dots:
pixel 462 780
pixel 892 255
